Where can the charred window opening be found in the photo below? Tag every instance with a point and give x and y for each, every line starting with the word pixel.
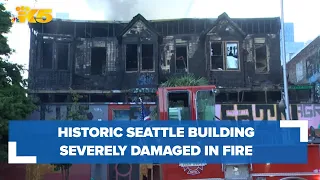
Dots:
pixel 261 64
pixel 221 97
pixel 131 57
pixel 98 60
pixel 59 98
pixel 299 95
pixel 181 59
pixel 147 57
pixel 106 98
pixel 293 97
pixel 273 97
pixel 216 55
pixel 47 55
pixel 232 59
pixel 44 98
pixel 179 105
pixel 254 97
pixel 233 97
pixel 304 95
pixel 98 98
pixel 63 56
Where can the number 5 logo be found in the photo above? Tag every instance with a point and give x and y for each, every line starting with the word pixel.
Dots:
pixel 39 16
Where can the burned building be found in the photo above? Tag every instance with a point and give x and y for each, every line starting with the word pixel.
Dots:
pixel 304 70
pixel 113 61
pixel 304 67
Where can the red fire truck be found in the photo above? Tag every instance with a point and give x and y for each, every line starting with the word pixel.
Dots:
pixel 197 103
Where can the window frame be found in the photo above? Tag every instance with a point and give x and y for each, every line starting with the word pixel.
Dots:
pixel 113 111
pixel 189 101
pixel 196 105
pixel 125 57
pixel 54 66
pixel 175 57
pixel 139 57
pixel 68 58
pixel 103 68
pixel 255 55
pixel 224 55
pixel 42 57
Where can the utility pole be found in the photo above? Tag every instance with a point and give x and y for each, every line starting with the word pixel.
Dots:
pixel 284 63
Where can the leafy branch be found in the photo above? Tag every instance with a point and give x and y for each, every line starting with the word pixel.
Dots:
pixel 76 112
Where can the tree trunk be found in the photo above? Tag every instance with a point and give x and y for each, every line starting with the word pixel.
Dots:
pixel 62 173
pixel 67 174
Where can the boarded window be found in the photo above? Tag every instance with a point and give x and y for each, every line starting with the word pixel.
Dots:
pixel 47 55
pixel 98 60
pixel 262 65
pixel 232 59
pixel 131 57
pixel 216 55
pixel 62 56
pixel 147 57
pixel 181 59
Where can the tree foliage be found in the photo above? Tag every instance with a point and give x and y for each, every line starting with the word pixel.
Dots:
pixel 185 80
pixel 5 25
pixel 14 102
pixel 76 112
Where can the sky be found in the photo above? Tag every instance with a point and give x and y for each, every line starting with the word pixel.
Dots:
pixel 304 14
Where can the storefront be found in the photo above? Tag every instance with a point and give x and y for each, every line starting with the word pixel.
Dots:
pixel 310 171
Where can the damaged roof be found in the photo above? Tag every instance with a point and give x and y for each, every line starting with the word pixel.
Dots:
pixel 164 26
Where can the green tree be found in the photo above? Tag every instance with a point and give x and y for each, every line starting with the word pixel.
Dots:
pixel 14 102
pixel 185 80
pixel 76 112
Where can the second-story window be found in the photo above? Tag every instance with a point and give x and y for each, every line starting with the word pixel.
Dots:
pixel 261 58
pixel 139 57
pixel 47 55
pixel 181 59
pixel 224 55
pixel 98 60
pixel 147 57
pixel 131 57
pixel 57 61
pixel 62 56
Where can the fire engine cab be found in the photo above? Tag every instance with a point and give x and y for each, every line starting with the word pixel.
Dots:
pixel 197 103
